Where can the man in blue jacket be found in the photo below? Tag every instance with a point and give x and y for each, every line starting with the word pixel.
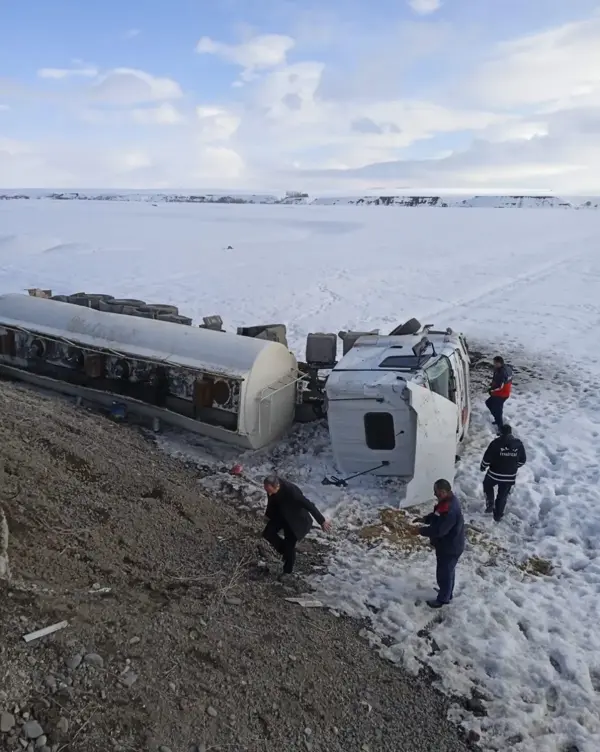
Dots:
pixel 445 528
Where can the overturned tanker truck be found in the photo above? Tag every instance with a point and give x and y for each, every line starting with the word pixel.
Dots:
pixel 396 405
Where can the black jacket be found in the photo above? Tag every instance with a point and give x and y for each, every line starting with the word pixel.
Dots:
pixel 503 458
pixel 291 506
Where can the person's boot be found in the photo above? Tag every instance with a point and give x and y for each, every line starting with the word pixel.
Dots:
pixel 435 603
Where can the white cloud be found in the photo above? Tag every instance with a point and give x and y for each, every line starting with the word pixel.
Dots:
pixel 528 114
pixel 129 86
pixel 217 124
pixel 4 108
pixel 551 67
pixel 255 54
pixel 60 73
pixel 424 7
pixel 132 33
pixel 164 114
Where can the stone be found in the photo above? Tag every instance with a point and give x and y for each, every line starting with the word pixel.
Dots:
pixel 93 659
pixel 135 640
pixel 233 601
pixel 162 748
pixel 32 729
pixel 211 712
pixel 7 722
pixel 129 679
pixel 73 662
pixel 41 741
pixel 63 725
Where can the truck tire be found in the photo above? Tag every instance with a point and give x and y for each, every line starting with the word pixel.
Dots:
pixel 174 319
pixel 411 326
pixel 163 308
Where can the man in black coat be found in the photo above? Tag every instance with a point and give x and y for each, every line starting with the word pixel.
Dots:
pixel 502 460
pixel 288 510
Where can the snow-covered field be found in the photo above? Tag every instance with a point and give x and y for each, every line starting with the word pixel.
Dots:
pixel 519 282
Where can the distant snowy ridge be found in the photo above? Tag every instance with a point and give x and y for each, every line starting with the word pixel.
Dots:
pixel 295 198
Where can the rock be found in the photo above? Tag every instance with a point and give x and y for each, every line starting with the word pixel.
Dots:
pixel 93 659
pixel 73 662
pixel 211 712
pixel 41 741
pixel 32 729
pixel 46 749
pixel 31 747
pixel 476 707
pixel 63 725
pixel 473 737
pixel 307 732
pixel 129 679
pixel 7 722
pixel 135 640
pixel 162 748
pixel 233 601
pixel 50 682
pixel 24 743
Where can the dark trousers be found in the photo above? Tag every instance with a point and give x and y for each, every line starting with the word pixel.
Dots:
pixel 496 406
pixel 496 503
pixel 286 546
pixel 445 575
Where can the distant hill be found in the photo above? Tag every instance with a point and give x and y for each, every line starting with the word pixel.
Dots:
pixel 292 198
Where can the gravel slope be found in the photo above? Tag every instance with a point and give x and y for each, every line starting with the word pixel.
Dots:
pixel 193 648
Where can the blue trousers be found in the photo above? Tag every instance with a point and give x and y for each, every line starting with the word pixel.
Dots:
pixel 445 576
pixel 496 406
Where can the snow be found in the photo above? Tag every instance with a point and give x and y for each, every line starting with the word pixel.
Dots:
pixel 522 283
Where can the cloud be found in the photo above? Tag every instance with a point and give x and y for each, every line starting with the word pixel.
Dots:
pixel 255 54
pixel 217 124
pixel 132 33
pixel 60 73
pixel 129 86
pixel 164 114
pixel 400 102
pixel 553 67
pixel 4 108
pixel 424 7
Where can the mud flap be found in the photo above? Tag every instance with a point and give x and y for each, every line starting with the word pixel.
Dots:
pixel 435 443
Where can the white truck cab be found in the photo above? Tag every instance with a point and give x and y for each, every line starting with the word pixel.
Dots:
pixel 399 405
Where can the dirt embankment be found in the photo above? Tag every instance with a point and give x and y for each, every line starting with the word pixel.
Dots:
pixel 176 640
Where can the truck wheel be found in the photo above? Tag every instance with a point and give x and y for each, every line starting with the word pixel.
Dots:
pixel 411 326
pixel 163 308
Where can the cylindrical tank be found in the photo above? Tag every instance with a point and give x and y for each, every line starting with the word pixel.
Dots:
pixel 267 371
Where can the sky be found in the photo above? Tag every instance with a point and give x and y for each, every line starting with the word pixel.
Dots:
pixel 337 96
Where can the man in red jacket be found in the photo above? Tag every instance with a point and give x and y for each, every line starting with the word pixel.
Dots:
pixel 499 391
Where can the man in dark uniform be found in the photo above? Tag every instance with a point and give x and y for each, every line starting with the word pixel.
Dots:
pixel 499 390
pixel 445 528
pixel 288 510
pixel 502 460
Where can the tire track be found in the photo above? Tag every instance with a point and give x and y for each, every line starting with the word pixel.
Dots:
pixel 527 277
